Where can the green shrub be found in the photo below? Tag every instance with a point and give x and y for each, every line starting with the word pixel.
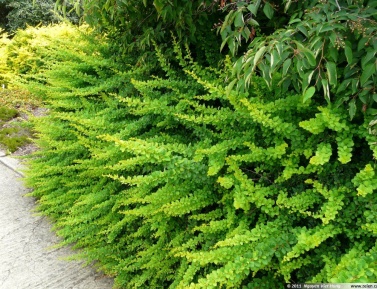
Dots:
pixel 13 138
pixel 17 15
pixel 7 113
pixel 31 49
pixel 12 133
pixel 173 182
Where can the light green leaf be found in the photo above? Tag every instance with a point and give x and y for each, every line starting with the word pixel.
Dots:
pixel 259 54
pixel 326 89
pixel 331 72
pixel 238 65
pixel 333 37
pixel 230 86
pixel 303 30
pixel 326 27
pixel 287 5
pixel 352 108
pixel 253 9
pixel 239 21
pixel 226 182
pixel 275 58
pixel 333 53
pixel 307 53
pixel 287 63
pixel 308 93
pixel 253 22
pixel 294 20
pixel 310 57
pixel 268 10
pixel 306 79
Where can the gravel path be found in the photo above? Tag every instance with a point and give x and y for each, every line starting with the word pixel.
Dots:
pixel 26 262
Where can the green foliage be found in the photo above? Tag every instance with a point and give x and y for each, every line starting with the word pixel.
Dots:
pixel 7 113
pixel 135 25
pixel 12 138
pixel 31 49
pixel 12 134
pixel 172 181
pixel 323 46
pixel 22 13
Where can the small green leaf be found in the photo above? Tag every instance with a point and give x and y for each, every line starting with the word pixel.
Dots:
pixel 303 30
pixel 225 42
pixel 309 93
pixel 294 20
pixel 331 72
pixel 287 5
pixel 230 86
pixel 326 89
pixel 343 85
pixel 253 9
pixel 348 52
pixel 352 108
pixel 238 65
pixel 239 21
pixel 259 54
pixel 226 182
pixel 286 65
pixel 375 97
pixel 306 79
pixel 310 57
pixel 365 59
pixel 275 58
pixel 368 71
pixel 362 43
pixel 268 10
pixel 333 53
pixel 326 27
pixel 333 37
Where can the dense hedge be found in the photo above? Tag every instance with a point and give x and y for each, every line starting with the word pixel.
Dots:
pixel 171 181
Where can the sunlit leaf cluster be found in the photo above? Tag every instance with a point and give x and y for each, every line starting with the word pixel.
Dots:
pixel 170 180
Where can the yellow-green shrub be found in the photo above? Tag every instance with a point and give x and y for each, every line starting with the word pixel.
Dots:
pixel 33 49
pixel 4 42
pixel 169 181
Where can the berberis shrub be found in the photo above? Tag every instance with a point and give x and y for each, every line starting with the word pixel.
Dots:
pixel 172 181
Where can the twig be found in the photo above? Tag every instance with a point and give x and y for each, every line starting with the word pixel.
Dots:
pixel 337 4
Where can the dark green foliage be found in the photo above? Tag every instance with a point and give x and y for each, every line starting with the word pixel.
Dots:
pixel 324 46
pixel 171 181
pixel 18 14
pixel 135 25
pixel 308 46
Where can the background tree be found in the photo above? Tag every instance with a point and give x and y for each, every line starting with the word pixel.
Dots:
pixel 324 46
pixel 18 14
pixel 136 25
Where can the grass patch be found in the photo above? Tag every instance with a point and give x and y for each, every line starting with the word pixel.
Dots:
pixel 7 113
pixel 13 138
pixel 18 98
pixel 15 132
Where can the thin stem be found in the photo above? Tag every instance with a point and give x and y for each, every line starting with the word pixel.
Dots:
pixel 337 4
